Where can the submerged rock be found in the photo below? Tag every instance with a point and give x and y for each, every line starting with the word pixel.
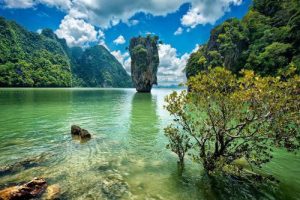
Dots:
pixel 144 62
pixel 29 190
pixel 80 132
pixel 53 192
pixel 114 187
pixel 23 164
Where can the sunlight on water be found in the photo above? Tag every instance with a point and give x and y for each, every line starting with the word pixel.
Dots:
pixel 127 145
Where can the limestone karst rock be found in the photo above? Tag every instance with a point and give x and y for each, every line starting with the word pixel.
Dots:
pixel 80 132
pixel 144 62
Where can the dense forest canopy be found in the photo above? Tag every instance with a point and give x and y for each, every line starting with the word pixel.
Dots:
pixel 29 59
pixel 97 67
pixel 266 40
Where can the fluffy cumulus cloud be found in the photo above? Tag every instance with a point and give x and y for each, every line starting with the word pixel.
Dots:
pixel 119 40
pixel 178 31
pixel 133 22
pixel 18 3
pixel 124 59
pixel 171 66
pixel 77 32
pixel 39 31
pixel 61 4
pixel 106 13
pixel 207 12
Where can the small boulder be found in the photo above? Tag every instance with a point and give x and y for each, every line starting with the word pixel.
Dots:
pixel 29 190
pixel 80 132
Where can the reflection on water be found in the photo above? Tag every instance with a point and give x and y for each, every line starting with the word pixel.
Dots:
pixel 144 128
pixel 127 141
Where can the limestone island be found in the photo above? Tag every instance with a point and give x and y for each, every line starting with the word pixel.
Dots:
pixel 144 62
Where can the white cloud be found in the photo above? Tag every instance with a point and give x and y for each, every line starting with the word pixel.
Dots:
pixel 124 59
pixel 104 13
pixel 101 34
pixel 120 40
pixel 171 66
pixel 207 12
pixel 178 31
pixel 61 4
pixel 101 38
pixel 18 3
pixel 77 32
pixel 127 65
pixel 39 31
pixel 133 22
pixel 197 46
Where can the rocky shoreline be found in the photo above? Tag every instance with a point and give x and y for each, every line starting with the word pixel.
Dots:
pixel 111 184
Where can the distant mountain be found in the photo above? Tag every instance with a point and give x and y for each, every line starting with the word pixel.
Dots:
pixel 97 67
pixel 29 59
pixel 266 40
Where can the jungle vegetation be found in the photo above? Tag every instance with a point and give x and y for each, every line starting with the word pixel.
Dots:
pixel 225 118
pixel 29 59
pixel 266 40
pixel 244 89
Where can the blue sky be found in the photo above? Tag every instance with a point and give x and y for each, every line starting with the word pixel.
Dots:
pixel 180 24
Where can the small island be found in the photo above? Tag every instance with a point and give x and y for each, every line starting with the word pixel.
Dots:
pixel 144 62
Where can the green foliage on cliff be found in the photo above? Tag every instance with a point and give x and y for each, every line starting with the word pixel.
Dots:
pixel 97 67
pixel 266 40
pixel 144 47
pixel 29 59
pixel 144 61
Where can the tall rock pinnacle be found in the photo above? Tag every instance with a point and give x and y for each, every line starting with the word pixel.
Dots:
pixel 144 62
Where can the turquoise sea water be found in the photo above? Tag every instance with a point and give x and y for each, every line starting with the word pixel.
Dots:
pixel 127 140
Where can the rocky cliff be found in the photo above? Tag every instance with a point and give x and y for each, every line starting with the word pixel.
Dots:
pixel 144 62
pixel 266 40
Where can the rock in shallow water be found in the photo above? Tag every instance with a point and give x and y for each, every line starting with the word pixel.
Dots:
pixel 24 164
pixel 80 132
pixel 29 190
pixel 144 62
pixel 53 192
pixel 114 187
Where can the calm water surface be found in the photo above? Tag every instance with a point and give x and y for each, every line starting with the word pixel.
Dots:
pixel 128 140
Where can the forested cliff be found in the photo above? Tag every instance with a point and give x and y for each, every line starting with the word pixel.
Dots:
pixel 266 40
pixel 29 59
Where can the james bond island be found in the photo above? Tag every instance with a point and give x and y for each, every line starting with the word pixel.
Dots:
pixel 94 106
pixel 144 62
